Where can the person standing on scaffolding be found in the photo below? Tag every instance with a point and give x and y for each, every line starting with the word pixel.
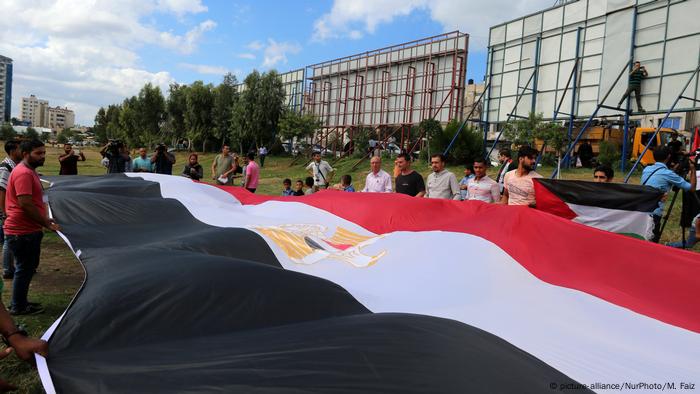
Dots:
pixel 635 85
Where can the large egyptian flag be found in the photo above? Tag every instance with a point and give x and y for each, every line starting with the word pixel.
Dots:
pixel 616 207
pixel 193 288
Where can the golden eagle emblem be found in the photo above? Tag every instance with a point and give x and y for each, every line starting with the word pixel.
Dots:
pixel 308 244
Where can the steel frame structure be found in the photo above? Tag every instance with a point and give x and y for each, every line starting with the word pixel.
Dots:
pixel 388 90
pixel 643 45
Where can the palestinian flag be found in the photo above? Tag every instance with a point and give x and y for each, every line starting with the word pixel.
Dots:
pixel 615 207
pixel 194 288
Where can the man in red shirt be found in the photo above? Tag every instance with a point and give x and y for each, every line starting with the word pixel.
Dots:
pixel 26 218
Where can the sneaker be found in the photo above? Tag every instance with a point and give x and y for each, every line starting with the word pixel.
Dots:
pixel 28 310
pixel 8 275
pixel 34 304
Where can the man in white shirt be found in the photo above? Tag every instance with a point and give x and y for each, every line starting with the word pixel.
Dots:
pixel 320 170
pixel 262 153
pixel 441 182
pixel 378 180
pixel 481 187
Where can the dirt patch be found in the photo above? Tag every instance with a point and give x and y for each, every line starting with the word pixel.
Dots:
pixel 59 271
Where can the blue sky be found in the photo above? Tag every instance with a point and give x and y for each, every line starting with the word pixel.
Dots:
pixel 96 53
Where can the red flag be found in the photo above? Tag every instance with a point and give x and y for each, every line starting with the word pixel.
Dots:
pixel 696 141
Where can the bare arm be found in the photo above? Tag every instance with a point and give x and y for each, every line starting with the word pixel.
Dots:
pixel 24 347
pixel 230 170
pixel 28 207
pixel 504 197
pixel 421 194
pixel 65 156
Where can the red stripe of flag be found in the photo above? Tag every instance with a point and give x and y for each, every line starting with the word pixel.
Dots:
pixel 651 279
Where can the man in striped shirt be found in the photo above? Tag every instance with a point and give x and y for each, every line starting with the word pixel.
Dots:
pixel 481 187
pixel 635 85
pixel 14 156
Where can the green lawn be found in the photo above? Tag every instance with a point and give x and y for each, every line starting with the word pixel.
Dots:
pixel 60 274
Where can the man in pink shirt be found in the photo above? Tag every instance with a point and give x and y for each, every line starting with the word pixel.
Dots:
pixel 26 219
pixel 518 186
pixel 252 173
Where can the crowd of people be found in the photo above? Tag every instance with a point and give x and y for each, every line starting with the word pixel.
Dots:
pixel 513 184
pixel 24 213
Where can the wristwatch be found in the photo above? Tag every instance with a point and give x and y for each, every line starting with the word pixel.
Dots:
pixel 17 331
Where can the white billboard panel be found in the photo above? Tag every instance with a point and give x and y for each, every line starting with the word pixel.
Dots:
pixel 600 34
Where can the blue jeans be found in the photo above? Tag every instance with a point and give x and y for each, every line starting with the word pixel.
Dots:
pixel 27 249
pixel 8 264
pixel 691 240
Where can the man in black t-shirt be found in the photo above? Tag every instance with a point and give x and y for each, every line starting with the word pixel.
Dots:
pixel 163 160
pixel 69 161
pixel 676 147
pixel 408 182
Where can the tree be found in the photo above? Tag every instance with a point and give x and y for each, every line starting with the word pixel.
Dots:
pixel 150 114
pixel 176 106
pixel 101 123
pixel 7 132
pixel 44 137
pixel 31 133
pixel 467 147
pixel 112 115
pixel 224 98
pixel 294 125
pixel 524 131
pixel 129 122
pixel 62 139
pixel 198 119
pixel 431 130
pixel 257 110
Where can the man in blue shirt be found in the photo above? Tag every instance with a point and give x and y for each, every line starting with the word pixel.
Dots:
pixel 659 176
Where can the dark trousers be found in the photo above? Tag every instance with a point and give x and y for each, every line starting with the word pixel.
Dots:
pixel 657 229
pixel 262 160
pixel 637 95
pixel 27 249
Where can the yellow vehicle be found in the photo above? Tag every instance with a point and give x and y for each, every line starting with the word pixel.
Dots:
pixel 642 135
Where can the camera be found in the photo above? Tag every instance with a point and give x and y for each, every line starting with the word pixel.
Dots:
pixel 160 148
pixel 114 146
pixel 683 162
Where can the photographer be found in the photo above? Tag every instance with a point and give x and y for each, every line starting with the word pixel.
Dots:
pixel 321 171
pixel 69 160
pixel 193 169
pixel 635 85
pixel 163 160
pixel 659 176
pixel 116 155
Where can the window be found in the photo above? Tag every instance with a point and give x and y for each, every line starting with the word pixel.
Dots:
pixel 645 140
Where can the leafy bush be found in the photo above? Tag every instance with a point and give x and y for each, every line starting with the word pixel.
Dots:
pixel 360 140
pixel 609 153
pixel 468 146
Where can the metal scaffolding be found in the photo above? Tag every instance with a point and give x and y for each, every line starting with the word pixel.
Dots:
pixel 388 90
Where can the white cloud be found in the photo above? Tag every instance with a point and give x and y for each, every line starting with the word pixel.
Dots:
pixel 255 45
pixel 188 43
pixel 205 69
pixel 86 56
pixel 276 52
pixel 249 56
pixel 350 18
pixel 181 7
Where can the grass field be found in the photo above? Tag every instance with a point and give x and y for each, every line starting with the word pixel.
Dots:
pixel 60 275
